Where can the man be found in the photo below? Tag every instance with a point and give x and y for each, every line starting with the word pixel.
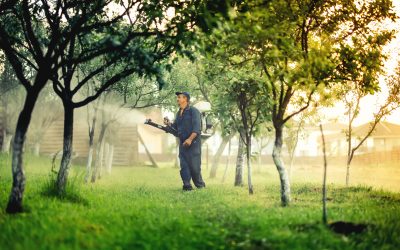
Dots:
pixel 188 124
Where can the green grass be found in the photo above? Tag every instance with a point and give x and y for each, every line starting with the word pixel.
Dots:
pixel 144 208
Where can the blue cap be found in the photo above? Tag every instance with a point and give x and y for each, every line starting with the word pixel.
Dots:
pixel 183 93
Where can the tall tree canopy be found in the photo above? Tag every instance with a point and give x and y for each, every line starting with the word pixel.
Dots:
pixel 301 49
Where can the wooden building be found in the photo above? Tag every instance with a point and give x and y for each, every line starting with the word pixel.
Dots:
pixel 124 140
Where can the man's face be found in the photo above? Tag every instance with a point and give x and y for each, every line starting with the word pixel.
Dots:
pixel 181 100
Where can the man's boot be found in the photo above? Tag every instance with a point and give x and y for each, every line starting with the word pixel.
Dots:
pixel 187 187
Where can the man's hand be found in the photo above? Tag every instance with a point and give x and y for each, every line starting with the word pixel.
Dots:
pixel 187 142
pixel 167 121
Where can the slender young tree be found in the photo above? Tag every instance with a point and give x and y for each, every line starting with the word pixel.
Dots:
pixel 250 101
pixel 92 113
pixel 11 94
pixel 352 99
pixel 239 95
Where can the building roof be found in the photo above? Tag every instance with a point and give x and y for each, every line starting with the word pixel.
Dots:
pixel 382 130
pixel 332 126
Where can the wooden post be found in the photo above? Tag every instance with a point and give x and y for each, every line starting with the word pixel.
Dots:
pixel 110 159
pixel 324 210
pixel 153 162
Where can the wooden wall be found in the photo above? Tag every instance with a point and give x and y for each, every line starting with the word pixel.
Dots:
pixel 125 142
pixel 126 151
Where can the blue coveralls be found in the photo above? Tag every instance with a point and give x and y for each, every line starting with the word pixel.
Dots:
pixel 189 157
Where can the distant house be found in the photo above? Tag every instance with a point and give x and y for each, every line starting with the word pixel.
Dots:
pixel 309 143
pixel 386 137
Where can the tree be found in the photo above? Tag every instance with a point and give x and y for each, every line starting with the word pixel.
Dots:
pixel 215 83
pixel 239 95
pixel 217 156
pixel 15 25
pixel 352 99
pixel 11 94
pixel 250 101
pixel 92 112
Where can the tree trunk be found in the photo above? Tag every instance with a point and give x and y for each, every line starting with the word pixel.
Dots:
pixel 16 196
pixel 90 154
pixel 350 156
pixel 283 175
pixel 89 163
pixel 349 146
pixel 62 177
pixel 239 163
pixel 249 170
pixel 6 143
pixel 348 173
pixel 227 160
pixel 324 209
pixel 217 156
pixel 291 165
pixel 110 159
pixel 36 150
pixel 99 157
pixel 101 160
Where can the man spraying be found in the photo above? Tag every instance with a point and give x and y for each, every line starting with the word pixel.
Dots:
pixel 188 126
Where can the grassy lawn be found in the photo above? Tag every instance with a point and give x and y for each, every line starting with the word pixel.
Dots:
pixel 144 208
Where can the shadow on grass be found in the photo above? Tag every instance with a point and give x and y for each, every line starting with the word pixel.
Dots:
pixel 68 195
pixel 348 228
pixel 339 227
pixel 71 193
